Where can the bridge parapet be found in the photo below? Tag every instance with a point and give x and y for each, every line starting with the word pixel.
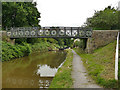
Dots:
pixel 49 32
pixel 98 39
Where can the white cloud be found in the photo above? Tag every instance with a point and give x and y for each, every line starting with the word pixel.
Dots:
pixel 69 12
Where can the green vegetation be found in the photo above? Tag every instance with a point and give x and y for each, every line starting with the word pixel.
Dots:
pixel 19 50
pixel 63 77
pixel 80 43
pixel 44 46
pixel 20 14
pixel 14 51
pixel 25 14
pixel 119 74
pixel 119 69
pixel 24 47
pixel 100 65
pixel 106 19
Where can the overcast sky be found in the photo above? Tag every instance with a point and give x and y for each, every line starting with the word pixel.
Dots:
pixel 69 12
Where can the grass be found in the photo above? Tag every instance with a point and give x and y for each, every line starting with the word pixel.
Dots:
pixel 63 77
pixel 119 69
pixel 119 74
pixel 100 65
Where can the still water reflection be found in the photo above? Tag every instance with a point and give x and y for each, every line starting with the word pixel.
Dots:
pixel 34 71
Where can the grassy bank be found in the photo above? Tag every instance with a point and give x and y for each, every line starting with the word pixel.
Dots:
pixel 19 50
pixel 63 77
pixel 119 69
pixel 100 65
pixel 119 74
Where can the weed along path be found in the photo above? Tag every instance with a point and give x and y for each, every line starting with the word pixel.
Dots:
pixel 79 74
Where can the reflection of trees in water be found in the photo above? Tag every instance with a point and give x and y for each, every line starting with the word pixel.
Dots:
pixel 55 60
pixel 28 64
pixel 51 59
pixel 25 67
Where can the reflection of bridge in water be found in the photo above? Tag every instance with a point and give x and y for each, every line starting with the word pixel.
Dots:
pixel 43 82
pixel 34 71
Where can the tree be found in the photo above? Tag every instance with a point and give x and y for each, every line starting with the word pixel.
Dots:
pixel 20 14
pixel 106 19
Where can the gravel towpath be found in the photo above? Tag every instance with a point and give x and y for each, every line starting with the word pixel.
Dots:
pixel 79 74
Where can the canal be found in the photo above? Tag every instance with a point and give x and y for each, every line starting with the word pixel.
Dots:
pixel 34 71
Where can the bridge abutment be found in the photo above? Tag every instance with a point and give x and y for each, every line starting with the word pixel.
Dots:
pixel 100 38
pixel 6 38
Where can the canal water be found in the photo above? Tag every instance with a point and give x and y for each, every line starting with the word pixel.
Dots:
pixel 34 71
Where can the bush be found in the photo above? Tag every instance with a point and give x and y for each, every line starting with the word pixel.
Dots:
pixel 119 73
pixel 23 49
pixel 43 46
pixel 28 48
pixel 14 51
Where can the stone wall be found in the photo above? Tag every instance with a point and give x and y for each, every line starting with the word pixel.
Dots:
pixel 5 38
pixel 100 38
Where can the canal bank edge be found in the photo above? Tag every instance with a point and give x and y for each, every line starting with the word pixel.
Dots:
pixel 63 77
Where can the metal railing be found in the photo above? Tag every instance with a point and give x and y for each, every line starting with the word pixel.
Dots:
pixel 49 32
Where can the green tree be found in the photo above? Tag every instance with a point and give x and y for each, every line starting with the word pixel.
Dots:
pixel 104 19
pixel 20 14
